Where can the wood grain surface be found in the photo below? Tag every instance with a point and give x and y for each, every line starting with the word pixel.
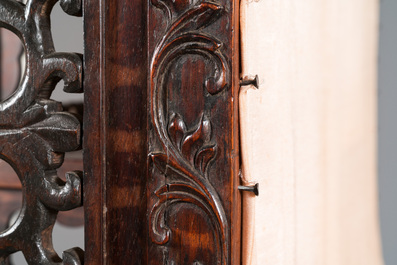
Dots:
pixel 161 133
pixel 36 133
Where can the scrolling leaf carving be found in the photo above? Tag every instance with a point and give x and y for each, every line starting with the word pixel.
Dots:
pixel 187 154
pixel 35 133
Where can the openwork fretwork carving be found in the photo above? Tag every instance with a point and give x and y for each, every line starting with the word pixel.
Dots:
pixel 35 133
pixel 187 152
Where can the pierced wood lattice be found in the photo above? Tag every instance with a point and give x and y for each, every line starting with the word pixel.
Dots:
pixel 35 133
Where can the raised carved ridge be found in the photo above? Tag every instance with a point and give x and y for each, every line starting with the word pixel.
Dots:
pixel 187 154
pixel 35 133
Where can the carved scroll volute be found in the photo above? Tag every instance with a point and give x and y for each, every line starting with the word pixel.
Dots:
pixel 35 133
pixel 185 153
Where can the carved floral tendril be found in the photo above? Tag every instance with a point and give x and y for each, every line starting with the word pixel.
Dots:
pixel 189 153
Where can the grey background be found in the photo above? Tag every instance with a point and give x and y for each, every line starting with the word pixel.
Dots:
pixel 387 124
pixel 67 32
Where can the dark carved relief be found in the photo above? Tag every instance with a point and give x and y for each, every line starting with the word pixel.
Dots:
pixel 187 152
pixel 35 133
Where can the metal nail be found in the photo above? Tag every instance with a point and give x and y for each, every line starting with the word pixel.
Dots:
pixel 252 81
pixel 254 189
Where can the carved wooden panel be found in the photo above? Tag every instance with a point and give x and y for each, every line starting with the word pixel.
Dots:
pixel 161 132
pixel 193 152
pixel 35 133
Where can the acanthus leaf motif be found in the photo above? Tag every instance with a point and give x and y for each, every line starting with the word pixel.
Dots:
pixel 204 157
pixel 196 140
pixel 196 18
pixel 195 146
pixel 176 130
pixel 187 154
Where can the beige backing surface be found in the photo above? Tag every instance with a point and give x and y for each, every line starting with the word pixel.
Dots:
pixel 309 132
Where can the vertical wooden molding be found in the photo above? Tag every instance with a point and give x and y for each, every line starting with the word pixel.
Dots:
pixel 192 127
pixel 115 140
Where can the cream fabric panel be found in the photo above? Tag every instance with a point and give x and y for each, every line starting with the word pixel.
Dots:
pixel 309 132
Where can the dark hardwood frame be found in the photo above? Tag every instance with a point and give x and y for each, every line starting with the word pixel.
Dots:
pixel 161 149
pixel 11 53
pixel 36 132
pixel 161 168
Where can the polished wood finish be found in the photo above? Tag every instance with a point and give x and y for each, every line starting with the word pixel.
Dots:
pixel 11 194
pixel 36 132
pixel 115 133
pixel 161 132
pixel 192 128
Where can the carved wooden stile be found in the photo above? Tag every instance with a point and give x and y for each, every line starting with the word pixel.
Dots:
pixel 193 152
pixel 161 150
pixel 35 133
